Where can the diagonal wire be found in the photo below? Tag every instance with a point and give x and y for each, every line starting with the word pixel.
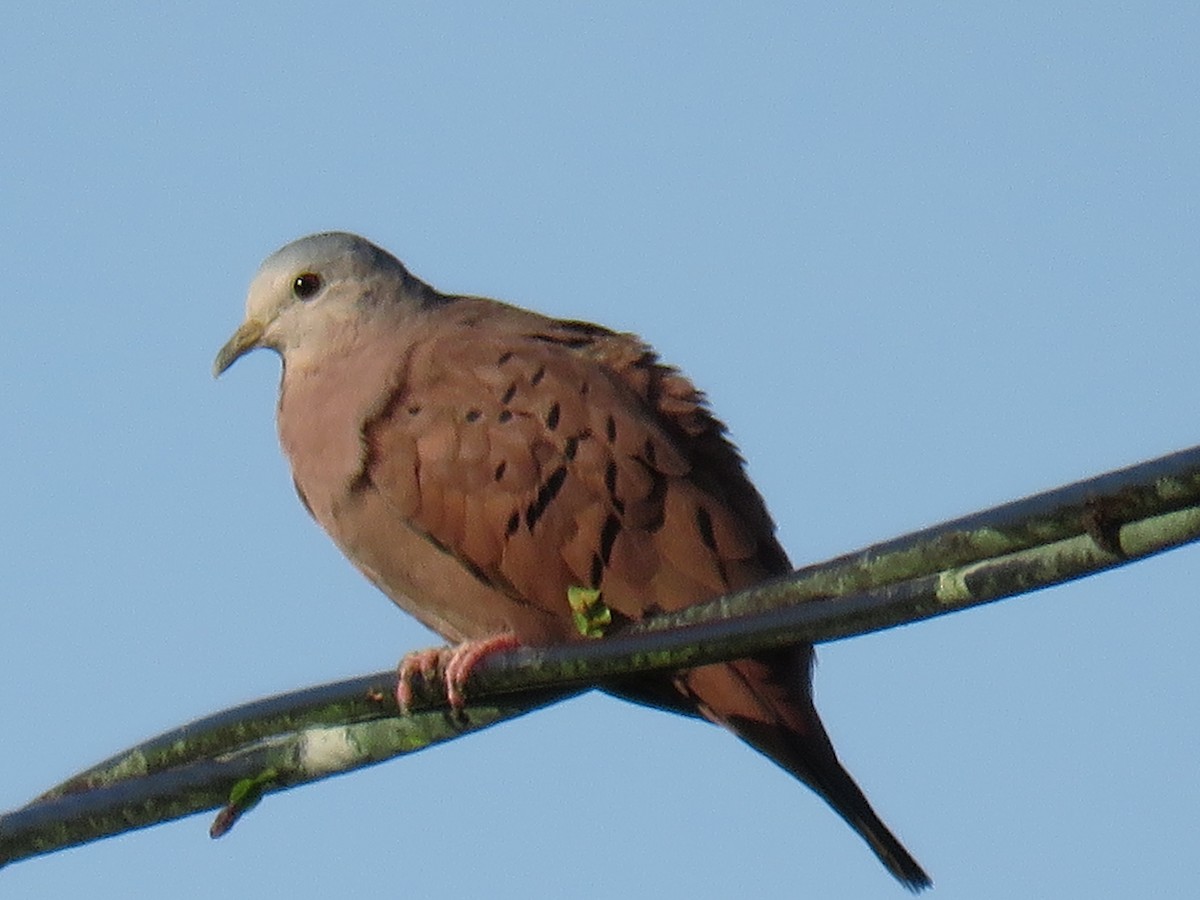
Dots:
pixel 291 739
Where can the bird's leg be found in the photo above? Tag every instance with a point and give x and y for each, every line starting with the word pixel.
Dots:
pixel 455 663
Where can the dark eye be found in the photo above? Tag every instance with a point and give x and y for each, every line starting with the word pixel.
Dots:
pixel 306 285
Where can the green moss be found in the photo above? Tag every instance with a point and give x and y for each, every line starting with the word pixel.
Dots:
pixel 592 617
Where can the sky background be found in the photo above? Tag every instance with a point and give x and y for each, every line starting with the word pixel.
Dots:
pixel 924 260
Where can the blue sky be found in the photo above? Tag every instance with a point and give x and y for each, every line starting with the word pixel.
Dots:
pixel 923 260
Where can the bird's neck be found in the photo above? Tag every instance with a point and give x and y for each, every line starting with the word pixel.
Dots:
pixel 323 402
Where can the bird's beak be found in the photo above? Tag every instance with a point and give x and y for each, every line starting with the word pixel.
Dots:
pixel 248 337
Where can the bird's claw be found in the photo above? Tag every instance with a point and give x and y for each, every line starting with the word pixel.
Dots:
pixel 454 663
pixel 425 663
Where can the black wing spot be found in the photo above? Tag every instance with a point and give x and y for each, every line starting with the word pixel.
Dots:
pixel 474 415
pixel 704 523
pixel 361 482
pixel 505 416
pixel 508 395
pixel 414 410
pixel 514 522
pixel 610 478
pixel 650 454
pixel 658 493
pixel 538 376
pixel 504 357
pixel 499 473
pixel 553 416
pixel 571 448
pixel 610 485
pixel 545 496
pixel 597 572
pixel 610 429
pixel 608 536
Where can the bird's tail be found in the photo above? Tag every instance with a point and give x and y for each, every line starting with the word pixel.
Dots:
pixel 825 775
pixel 777 718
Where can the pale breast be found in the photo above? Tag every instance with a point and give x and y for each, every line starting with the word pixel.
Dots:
pixel 322 410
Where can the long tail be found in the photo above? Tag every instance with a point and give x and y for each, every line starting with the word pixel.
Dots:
pixel 775 715
pixel 825 775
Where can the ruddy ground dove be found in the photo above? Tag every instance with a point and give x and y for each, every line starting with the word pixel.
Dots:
pixel 476 461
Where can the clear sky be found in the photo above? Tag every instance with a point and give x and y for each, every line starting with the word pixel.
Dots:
pixel 923 259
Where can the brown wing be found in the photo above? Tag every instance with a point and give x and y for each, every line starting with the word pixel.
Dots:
pixel 547 454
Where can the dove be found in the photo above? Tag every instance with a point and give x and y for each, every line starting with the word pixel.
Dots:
pixel 477 461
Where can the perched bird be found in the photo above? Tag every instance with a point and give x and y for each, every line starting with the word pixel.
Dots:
pixel 476 461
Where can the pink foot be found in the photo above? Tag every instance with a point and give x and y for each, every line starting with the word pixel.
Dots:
pixel 465 657
pixel 455 663
pixel 420 662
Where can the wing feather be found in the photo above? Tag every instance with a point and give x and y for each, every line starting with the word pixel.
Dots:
pixel 548 454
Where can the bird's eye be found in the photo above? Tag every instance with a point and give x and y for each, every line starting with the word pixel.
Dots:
pixel 306 285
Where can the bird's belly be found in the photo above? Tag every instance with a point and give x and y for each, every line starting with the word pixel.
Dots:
pixel 426 580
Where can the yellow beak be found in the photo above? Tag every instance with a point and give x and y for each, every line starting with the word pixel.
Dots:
pixel 246 338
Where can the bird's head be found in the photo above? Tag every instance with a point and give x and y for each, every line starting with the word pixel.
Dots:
pixel 310 290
